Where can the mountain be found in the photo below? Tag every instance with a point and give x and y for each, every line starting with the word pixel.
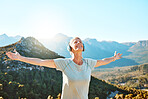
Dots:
pixel 93 49
pixel 109 46
pixel 129 43
pixel 31 79
pixel 6 40
pixel 31 47
pixel 139 52
pixel 23 80
pixel 58 44
pixel 104 48
pixel 132 76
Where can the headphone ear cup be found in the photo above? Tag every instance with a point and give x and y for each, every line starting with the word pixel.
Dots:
pixel 69 48
pixel 83 48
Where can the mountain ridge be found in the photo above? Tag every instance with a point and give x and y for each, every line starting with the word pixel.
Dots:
pixel 6 40
pixel 98 49
pixel 93 49
pixel 139 52
pixel 32 77
pixel 20 82
pixel 132 76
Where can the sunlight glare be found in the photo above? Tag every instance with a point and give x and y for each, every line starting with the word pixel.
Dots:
pixel 44 25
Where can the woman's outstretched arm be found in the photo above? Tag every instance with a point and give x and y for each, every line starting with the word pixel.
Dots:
pixel 108 60
pixel 35 61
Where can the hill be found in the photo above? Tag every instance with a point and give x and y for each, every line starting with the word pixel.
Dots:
pixel 58 44
pixel 16 74
pixel 131 76
pixel 23 80
pixel 139 52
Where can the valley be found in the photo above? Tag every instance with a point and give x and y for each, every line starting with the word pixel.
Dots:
pixel 130 76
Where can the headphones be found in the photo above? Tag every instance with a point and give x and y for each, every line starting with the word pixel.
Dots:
pixel 69 48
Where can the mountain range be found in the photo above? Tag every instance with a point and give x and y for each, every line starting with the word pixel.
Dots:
pixel 101 49
pixel 17 81
pixel 139 52
pixel 134 53
pixel 94 49
pixel 132 76
pixel 6 40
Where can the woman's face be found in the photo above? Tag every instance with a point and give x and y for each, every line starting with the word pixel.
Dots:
pixel 76 45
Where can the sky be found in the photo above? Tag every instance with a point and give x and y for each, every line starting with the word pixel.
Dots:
pixel 109 20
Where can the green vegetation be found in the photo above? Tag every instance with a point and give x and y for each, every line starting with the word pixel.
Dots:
pixel 19 80
pixel 132 93
pixel 131 76
pixel 139 52
pixel 39 84
pixel 35 84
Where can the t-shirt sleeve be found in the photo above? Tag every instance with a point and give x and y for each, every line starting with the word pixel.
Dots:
pixel 91 63
pixel 60 64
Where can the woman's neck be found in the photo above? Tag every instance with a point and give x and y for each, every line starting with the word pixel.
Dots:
pixel 77 58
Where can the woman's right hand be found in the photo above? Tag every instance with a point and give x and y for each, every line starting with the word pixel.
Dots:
pixel 13 56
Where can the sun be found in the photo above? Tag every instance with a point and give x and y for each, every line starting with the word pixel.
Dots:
pixel 43 25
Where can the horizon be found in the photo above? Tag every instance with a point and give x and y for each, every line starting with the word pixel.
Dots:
pixel 41 39
pixel 120 21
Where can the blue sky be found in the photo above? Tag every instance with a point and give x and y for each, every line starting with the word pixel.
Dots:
pixel 110 20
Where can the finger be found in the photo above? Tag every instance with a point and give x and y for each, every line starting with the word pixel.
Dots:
pixel 10 54
pixel 7 53
pixel 120 54
pixel 15 50
pixel 115 53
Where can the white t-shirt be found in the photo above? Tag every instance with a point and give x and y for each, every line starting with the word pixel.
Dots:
pixel 76 78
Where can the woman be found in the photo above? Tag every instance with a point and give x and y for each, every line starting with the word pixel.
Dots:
pixel 76 70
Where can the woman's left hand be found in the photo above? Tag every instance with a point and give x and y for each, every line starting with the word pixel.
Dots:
pixel 117 56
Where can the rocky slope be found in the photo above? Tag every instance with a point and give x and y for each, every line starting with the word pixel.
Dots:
pixel 139 52
pixel 22 80
pixel 29 47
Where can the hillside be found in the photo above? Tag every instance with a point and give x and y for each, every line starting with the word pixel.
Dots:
pixel 139 52
pixel 58 44
pixel 23 80
pixel 131 76
pixel 26 76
